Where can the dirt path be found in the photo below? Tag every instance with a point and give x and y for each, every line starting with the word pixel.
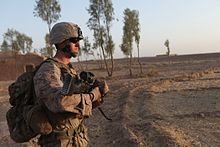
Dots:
pixel 179 111
pixel 178 107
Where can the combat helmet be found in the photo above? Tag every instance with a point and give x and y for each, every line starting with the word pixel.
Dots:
pixel 63 31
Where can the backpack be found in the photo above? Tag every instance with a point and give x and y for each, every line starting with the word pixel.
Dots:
pixel 24 104
pixel 27 118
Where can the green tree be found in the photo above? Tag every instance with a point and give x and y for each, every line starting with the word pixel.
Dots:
pixel 167 45
pixel 24 43
pixel 10 38
pixel 4 46
pixel 131 31
pixel 48 11
pixel 86 48
pixel 18 42
pixel 136 31
pixel 101 12
pixel 48 49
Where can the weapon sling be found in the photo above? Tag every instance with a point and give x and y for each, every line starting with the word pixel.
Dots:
pixel 102 112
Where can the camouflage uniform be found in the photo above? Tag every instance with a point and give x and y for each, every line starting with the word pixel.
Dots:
pixel 66 113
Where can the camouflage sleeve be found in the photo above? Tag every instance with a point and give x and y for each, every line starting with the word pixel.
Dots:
pixel 48 85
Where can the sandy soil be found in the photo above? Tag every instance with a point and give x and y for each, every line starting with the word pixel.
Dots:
pixel 171 104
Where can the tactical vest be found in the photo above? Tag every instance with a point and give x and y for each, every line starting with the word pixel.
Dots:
pixel 66 125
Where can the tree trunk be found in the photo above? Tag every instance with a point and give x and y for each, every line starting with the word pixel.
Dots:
pixel 130 64
pixel 168 52
pixel 106 64
pixel 111 54
pixel 100 56
pixel 112 62
pixel 139 60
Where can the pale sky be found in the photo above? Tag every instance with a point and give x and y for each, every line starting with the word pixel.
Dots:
pixel 192 26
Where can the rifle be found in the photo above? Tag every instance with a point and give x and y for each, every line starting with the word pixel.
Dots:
pixel 82 84
pixel 88 78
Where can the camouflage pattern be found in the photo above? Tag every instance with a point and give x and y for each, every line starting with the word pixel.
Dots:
pixel 21 99
pixel 66 113
pixel 63 31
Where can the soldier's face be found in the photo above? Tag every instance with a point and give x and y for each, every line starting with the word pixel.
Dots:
pixel 74 48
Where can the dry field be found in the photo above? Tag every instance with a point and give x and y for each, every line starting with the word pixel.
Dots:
pixel 174 103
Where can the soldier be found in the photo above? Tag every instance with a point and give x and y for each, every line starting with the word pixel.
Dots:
pixel 66 112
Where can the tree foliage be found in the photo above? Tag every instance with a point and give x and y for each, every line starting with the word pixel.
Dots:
pixel 167 45
pixel 4 46
pixel 17 42
pixel 131 31
pixel 86 48
pixel 48 11
pixel 137 35
pixel 101 12
pixel 48 49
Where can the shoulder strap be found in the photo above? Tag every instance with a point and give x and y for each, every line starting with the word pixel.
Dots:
pixel 38 66
pixel 61 66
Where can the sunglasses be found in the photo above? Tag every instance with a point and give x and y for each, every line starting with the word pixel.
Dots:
pixel 78 38
pixel 74 39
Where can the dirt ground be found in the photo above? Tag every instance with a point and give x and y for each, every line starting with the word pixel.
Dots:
pixel 175 102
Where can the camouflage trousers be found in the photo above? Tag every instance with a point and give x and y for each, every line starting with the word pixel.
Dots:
pixel 70 138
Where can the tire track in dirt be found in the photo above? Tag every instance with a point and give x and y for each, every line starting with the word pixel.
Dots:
pixel 139 114
pixel 143 123
pixel 111 133
pixel 115 133
pixel 131 105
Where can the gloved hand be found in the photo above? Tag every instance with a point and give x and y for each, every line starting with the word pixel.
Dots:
pixel 96 97
pixel 95 94
pixel 99 91
pixel 103 87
